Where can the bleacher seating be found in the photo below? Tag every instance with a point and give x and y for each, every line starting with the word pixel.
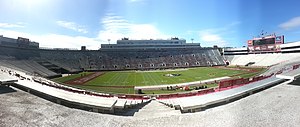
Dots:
pixel 99 102
pixel 262 59
pixel 138 59
pixel 28 66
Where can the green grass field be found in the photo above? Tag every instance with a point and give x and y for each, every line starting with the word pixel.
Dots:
pixel 147 78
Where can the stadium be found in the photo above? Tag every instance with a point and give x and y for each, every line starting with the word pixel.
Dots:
pixel 137 77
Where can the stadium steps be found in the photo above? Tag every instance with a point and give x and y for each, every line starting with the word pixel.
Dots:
pixel 156 109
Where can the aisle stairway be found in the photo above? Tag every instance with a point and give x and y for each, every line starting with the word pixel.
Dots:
pixel 156 109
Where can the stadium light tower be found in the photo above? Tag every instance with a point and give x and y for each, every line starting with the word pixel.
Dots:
pixel 192 39
pixel 108 41
pixel 263 33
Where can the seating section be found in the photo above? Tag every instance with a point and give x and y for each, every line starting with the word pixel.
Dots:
pixel 262 59
pixel 27 66
pixel 139 59
pixel 98 102
pixel 68 60
pixel 112 59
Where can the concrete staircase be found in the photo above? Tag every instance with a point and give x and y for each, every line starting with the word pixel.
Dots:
pixel 156 109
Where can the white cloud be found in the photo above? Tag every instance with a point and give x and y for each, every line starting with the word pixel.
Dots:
pixel 55 40
pixel 72 26
pixel 215 36
pixel 290 24
pixel 210 39
pixel 12 25
pixel 115 27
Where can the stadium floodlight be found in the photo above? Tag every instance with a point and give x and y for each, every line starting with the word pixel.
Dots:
pixel 108 41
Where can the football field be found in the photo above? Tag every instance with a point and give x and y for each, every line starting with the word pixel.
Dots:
pixel 124 81
pixel 148 78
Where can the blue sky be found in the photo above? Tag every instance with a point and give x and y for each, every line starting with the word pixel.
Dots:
pixel 72 23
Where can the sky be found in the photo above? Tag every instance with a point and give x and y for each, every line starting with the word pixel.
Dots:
pixel 75 23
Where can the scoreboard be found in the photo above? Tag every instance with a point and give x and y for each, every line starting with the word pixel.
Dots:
pixel 270 43
pixel 267 41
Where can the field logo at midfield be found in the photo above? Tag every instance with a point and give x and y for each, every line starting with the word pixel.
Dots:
pixel 172 75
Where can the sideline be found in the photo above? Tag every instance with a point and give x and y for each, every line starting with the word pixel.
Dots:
pixel 180 84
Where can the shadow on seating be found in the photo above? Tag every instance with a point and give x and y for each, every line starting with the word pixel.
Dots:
pixel 6 89
pixel 295 82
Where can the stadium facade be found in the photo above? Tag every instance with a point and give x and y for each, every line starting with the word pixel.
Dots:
pixel 126 43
